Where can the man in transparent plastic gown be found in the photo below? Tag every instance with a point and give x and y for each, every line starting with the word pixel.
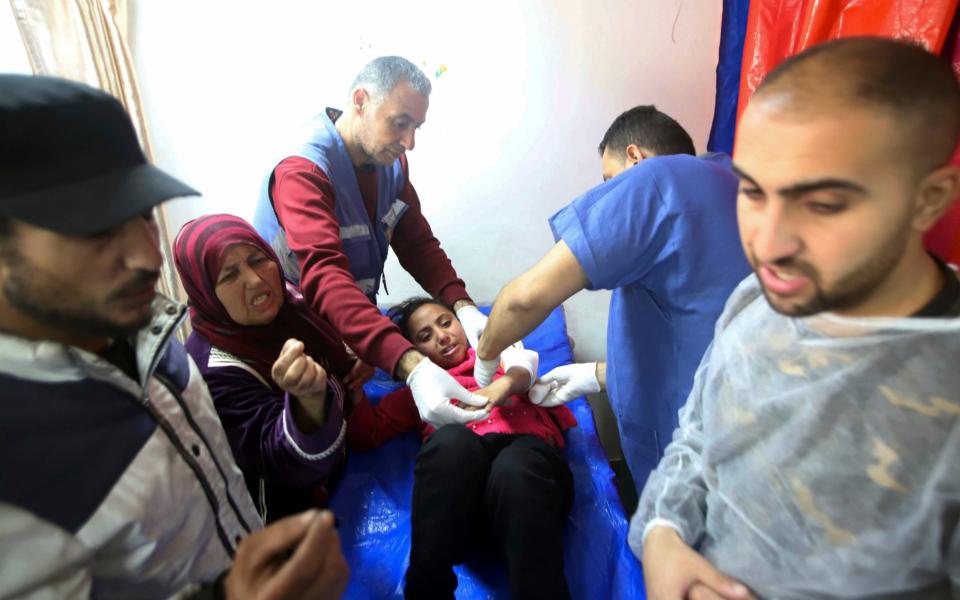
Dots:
pixel 818 454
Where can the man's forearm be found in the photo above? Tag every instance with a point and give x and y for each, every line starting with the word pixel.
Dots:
pixel 406 364
pixel 527 300
pixel 513 317
pixel 602 374
pixel 461 303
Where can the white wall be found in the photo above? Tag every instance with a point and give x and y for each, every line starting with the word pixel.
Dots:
pixel 13 56
pixel 512 129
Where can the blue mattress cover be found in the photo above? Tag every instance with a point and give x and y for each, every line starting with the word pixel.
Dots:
pixel 372 504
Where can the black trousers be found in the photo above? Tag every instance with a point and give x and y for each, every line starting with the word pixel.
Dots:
pixel 515 490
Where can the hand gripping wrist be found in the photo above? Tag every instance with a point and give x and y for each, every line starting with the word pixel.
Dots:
pixel 527 360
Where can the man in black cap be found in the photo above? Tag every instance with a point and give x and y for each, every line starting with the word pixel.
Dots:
pixel 117 478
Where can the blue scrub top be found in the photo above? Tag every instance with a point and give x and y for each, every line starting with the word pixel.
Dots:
pixel 663 236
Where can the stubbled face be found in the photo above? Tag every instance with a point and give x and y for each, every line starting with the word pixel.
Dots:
pixel 249 285
pixel 437 334
pixel 614 163
pixel 825 206
pixel 98 286
pixel 387 129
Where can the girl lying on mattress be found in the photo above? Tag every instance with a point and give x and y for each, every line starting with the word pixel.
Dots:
pixel 502 478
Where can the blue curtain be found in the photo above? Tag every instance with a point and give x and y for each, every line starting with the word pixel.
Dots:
pixel 732 32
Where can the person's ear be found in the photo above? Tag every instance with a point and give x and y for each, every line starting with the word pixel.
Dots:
pixel 361 100
pixel 935 195
pixel 635 154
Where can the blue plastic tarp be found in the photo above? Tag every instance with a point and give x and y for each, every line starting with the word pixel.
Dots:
pixel 372 504
pixel 733 29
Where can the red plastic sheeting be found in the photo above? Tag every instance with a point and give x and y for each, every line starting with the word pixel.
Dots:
pixel 777 29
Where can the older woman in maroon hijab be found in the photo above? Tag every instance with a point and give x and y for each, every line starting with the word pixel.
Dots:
pixel 273 368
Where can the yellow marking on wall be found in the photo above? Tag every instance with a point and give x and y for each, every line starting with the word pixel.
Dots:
pixel 936 406
pixel 835 535
pixel 879 472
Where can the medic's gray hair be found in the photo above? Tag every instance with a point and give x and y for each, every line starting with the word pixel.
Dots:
pixel 379 76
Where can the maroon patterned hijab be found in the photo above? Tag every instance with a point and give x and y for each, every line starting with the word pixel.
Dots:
pixel 198 253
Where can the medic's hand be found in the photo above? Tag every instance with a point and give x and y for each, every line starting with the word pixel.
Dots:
pixel 674 571
pixel 484 370
pixel 293 558
pixel 565 383
pixel 514 356
pixel 528 360
pixel 433 388
pixel 473 322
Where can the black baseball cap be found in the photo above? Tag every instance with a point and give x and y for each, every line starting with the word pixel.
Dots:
pixel 70 160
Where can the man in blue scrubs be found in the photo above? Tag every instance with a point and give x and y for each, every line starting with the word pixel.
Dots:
pixel 661 233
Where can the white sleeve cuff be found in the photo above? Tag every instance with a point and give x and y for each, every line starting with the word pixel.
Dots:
pixel 660 523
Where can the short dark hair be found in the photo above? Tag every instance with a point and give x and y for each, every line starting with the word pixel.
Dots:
pixel 917 88
pixel 400 314
pixel 648 128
